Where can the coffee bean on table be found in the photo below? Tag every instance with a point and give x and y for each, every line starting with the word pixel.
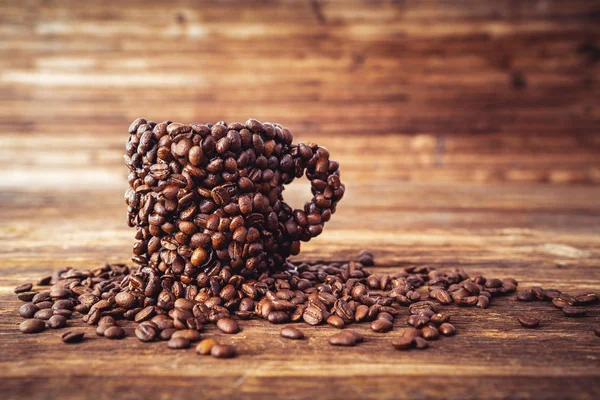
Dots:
pixel 420 343
pixel 385 315
pixel 25 287
pixel 27 296
pixel 188 334
pixel 63 304
pixel 292 333
pixel 178 343
pixel 28 310
pixel 205 346
pixel 341 339
pixel 527 295
pixel 430 333
pixel 65 313
pixel 145 314
pixel 32 326
pixel 125 300
pixel 355 335
pixel 145 333
pixel 411 333
pixel 335 321
pixel 44 314
pixel 101 328
pixel 60 293
pixel 381 325
pixel 114 332
pixel 72 337
pixel 571 311
pixel 228 325
pixel 278 317
pixel 527 321
pixel 42 305
pixel 402 343
pixel 57 321
pixel 222 351
pixel 107 320
pixel 312 315
pixel 167 333
pixel 439 318
pixel 447 329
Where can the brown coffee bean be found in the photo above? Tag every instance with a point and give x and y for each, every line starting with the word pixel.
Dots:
pixel 222 351
pixel 528 321
pixel 361 313
pixel 429 333
pixel 447 329
pixel 278 317
pixel 355 335
pixel 204 347
pixel 28 296
pixel 57 321
pixel 228 325
pixel 385 315
pixel 28 310
pixel 402 343
pixel 292 333
pixel 178 343
pixel 527 295
pixel 125 300
pixel 114 332
pixel 25 287
pixel 32 326
pixel 441 296
pixel 341 339
pixel 44 314
pixel 411 333
pixel 312 315
pixel 167 333
pixel 188 334
pixel 72 337
pixel 439 318
pixel 420 343
pixel 335 321
pixel 145 333
pixel 145 314
pixel 101 328
pixel 569 311
pixel 382 325
pixel 60 293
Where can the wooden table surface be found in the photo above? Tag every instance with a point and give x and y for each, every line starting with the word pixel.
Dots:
pixel 467 134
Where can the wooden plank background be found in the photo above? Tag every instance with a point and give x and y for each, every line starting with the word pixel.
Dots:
pixel 467 133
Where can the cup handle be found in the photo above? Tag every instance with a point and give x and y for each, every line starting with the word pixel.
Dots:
pixel 326 187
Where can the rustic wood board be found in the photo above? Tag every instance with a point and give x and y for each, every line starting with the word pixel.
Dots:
pixel 467 135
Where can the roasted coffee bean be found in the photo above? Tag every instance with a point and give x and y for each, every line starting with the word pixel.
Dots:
pixel 60 293
pixel 528 321
pixel 411 333
pixel 355 335
pixel 335 321
pixel 28 296
pixel 342 339
pixel 72 337
pixel 278 317
pixel 178 343
pixel 420 343
pixel 205 346
pixel 527 295
pixel 114 332
pixel 312 316
pixel 441 296
pixel 145 333
pixel 28 310
pixel 447 329
pixel 44 314
pixel 385 315
pixel 361 313
pixel 222 351
pixel 188 334
pixel 101 328
pixel 571 311
pixel 439 318
pixel 167 333
pixel 381 325
pixel 418 321
pixel 57 321
pixel 402 343
pixel 292 333
pixel 25 287
pixel 429 333
pixel 561 302
pixel 125 300
pixel 228 325
pixel 145 314
pixel 32 326
pixel 585 299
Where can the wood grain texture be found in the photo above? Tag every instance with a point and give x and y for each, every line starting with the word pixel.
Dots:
pixel 467 134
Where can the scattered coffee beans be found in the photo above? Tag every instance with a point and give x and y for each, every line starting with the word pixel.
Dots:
pixel 572 311
pixel 57 321
pixel 228 325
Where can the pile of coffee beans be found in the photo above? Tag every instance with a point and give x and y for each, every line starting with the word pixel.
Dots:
pixel 208 197
pixel 336 294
